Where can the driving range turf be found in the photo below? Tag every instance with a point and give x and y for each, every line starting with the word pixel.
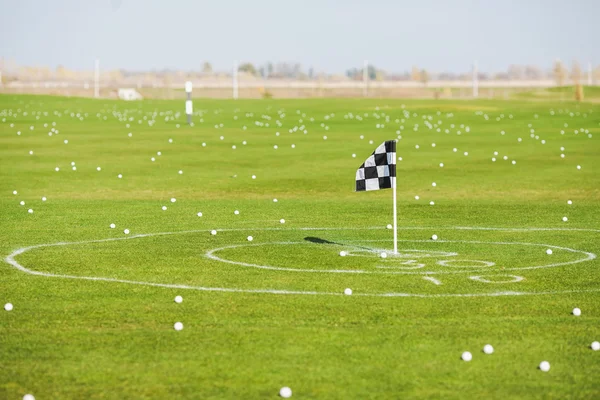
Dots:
pixel 272 312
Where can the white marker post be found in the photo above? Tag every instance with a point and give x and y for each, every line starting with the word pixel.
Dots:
pixel 189 108
pixel 475 80
pixel 366 79
pixel 235 80
pixel 97 79
pixel 395 215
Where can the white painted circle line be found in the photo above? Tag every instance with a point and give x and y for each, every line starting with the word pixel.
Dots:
pixel 480 278
pixel 10 259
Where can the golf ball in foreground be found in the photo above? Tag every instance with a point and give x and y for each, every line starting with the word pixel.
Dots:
pixel 126 231
pixel 434 237
pixel 173 199
pixel 569 202
pixel 595 346
pixel 488 349
pixel 8 307
pixel 565 219
pixel 213 232
pixel 199 214
pixel 28 397
pixel 576 312
pixel 30 211
pixel 236 212
pixel 383 254
pixel 282 221
pixel 178 326
pixel 343 253
pixel 389 226
pixel 545 366
pixel 250 238
pixel 466 356
pixel 285 392
pixel 178 299
pixel 549 251
pixel 112 226
pixel 348 291
pixel 164 208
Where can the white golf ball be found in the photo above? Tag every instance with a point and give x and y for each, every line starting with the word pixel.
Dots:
pixel 126 231
pixel 466 356
pixel 30 211
pixel 250 238
pixel 569 202
pixel 434 237
pixel 98 169
pixel 164 208
pixel 383 254
pixel 548 251
pixel 565 219
pixel 178 299
pixel 417 197
pixel 8 307
pixel 173 199
pixel 15 192
pixel 579 167
pixel 112 226
pixel 343 253
pixel 253 176
pixel 347 291
pixel 285 392
pixel 389 226
pixel 433 184
pixel 595 346
pixel 545 366
pixel 488 349
pixel 441 165
pixel 178 326
pixel 22 203
pixel 199 214
pixel 28 397
pixel 236 212
pixel 213 232
pixel 44 198
pixel 274 200
pixel 282 221
pixel 180 172
pixel 431 203
pixel 576 312
pixel 120 176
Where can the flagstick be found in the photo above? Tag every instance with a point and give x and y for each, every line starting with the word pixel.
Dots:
pixel 395 223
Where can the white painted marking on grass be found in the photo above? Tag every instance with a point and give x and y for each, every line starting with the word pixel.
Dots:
pixel 432 279
pixel 10 259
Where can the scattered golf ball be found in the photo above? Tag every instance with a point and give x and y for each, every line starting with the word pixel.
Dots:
pixel 433 184
pixel 173 199
pixel 441 165
pixel 431 203
pixel 282 221
pixel 576 312
pixel 44 198
pixel 383 254
pixel 417 197
pixel 28 397
pixel 565 219
pixel 343 253
pixel 126 231
pixel 595 346
pixel 285 392
pixel 548 251
pixel 199 214
pixel 250 238
pixel 579 167
pixel 178 326
pixel 389 226
pixel 545 366
pixel 22 203
pixel 178 299
pixel 347 291
pixel 112 226
pixel 274 200
pixel 213 232
pixel 569 202
pixel 253 176
pixel 180 172
pixel 120 176
pixel 236 212
pixel 8 307
pixel 98 169
pixel 30 211
pixel 466 356
pixel 15 192
pixel 164 208
pixel 488 349
pixel 434 237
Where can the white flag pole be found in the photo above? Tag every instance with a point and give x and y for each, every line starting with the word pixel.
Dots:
pixel 395 218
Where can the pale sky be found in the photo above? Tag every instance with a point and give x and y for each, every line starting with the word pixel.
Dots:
pixel 329 35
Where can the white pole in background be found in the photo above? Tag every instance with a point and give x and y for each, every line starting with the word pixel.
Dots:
pixel 235 80
pixel 395 217
pixel 366 78
pixel 97 79
pixel 188 103
pixel 475 80
pixel 589 74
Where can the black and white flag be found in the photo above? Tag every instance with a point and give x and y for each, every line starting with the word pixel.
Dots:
pixel 379 169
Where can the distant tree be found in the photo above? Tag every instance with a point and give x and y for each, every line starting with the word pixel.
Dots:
pixel 424 78
pixel 516 72
pixel 311 73
pixel 248 68
pixel 533 72
pixel 207 68
pixel 269 68
pixel 576 73
pixel 559 72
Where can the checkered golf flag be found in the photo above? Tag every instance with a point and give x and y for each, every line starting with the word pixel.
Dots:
pixel 377 172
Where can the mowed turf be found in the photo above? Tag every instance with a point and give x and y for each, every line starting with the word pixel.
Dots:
pixel 270 313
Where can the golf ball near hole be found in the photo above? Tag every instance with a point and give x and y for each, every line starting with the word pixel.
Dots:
pixel 178 326
pixel 178 299
pixel 285 392
pixel 466 356
pixel 545 366
pixel 213 232
pixel 488 349
pixel 576 312
pixel 434 237
pixel 595 346
pixel 347 291
pixel 126 231
pixel 250 238
pixel 8 307
pixel 389 226
pixel 548 251
pixel 383 254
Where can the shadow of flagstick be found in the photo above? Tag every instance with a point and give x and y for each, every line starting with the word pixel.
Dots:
pixel 317 240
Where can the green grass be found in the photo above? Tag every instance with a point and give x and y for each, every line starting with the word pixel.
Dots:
pixel 92 339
